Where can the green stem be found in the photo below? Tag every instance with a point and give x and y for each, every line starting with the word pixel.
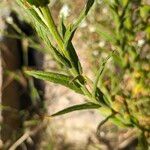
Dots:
pixel 53 29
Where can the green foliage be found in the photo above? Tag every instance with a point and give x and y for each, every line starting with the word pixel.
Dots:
pixel 117 102
pixel 129 36
pixel 56 78
pixel 38 3
pixel 145 11
pixel 77 107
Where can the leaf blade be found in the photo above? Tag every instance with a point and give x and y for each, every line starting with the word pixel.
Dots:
pixel 83 14
pixel 56 78
pixel 76 108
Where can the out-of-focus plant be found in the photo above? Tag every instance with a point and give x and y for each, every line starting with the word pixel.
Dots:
pixel 127 80
pixel 31 91
pixel 123 37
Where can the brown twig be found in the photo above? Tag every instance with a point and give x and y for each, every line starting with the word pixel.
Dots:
pixel 26 135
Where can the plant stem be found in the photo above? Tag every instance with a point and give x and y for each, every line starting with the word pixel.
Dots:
pixel 53 29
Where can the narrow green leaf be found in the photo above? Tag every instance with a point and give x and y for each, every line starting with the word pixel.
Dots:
pixel 56 78
pixel 76 108
pixel 72 28
pixel 71 51
pixel 96 91
pixel 105 34
pixel 70 33
pixel 60 58
pixel 62 27
pixel 37 19
pixel 74 58
pixel 53 28
pixel 83 14
pixel 34 16
pixel 56 54
pixel 38 3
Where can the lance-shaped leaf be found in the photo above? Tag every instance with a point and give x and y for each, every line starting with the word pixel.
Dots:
pixel 83 14
pixel 74 57
pixel 34 16
pixel 70 33
pixel 97 93
pixel 60 58
pixel 72 28
pixel 38 3
pixel 76 108
pixel 71 51
pixel 62 27
pixel 37 19
pixel 56 53
pixel 56 78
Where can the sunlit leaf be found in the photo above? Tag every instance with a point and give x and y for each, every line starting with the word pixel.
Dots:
pixel 38 3
pixel 56 78
pixel 77 107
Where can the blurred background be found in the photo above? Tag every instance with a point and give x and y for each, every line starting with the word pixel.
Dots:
pixel 27 103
